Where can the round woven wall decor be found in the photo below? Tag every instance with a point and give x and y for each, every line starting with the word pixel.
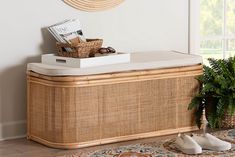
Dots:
pixel 93 5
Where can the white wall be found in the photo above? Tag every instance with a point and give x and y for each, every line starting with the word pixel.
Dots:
pixel 135 25
pixel 194 27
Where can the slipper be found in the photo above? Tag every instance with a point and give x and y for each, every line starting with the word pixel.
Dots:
pixel 187 145
pixel 211 142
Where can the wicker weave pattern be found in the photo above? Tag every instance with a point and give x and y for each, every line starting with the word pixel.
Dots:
pixel 228 121
pixel 82 50
pixel 93 5
pixel 81 114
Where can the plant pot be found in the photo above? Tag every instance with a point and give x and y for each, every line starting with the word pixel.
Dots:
pixel 228 121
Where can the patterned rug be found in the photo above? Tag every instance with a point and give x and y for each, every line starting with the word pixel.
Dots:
pixel 160 149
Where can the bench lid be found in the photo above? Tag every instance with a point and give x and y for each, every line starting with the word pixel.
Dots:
pixel 139 61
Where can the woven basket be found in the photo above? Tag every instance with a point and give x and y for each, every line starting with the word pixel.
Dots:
pixel 81 50
pixel 228 121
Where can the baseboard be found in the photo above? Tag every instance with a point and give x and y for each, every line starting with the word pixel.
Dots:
pixel 12 130
pixel 13 137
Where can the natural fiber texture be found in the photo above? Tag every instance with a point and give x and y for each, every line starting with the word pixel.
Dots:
pixel 228 121
pixel 161 148
pixel 81 50
pixel 103 109
pixel 93 5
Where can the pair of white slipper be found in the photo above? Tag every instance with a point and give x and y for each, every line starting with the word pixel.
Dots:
pixel 194 144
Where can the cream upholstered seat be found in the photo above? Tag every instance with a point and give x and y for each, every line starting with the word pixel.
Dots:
pixel 139 61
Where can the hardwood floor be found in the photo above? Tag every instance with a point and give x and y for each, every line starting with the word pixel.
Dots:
pixel 25 148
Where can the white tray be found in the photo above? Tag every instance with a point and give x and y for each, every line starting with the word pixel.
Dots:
pixel 116 58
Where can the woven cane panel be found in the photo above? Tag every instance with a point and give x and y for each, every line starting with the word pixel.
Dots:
pixel 63 112
pixel 36 110
pixel 185 117
pixel 41 112
pixel 188 87
pixel 146 107
pixel 90 113
pixel 75 114
pixel 87 110
pixel 120 110
pixel 158 106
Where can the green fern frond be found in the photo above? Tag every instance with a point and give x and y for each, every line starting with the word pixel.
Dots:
pixel 195 102
pixel 217 93
pixel 215 65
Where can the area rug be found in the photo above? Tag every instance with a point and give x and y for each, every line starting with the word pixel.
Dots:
pixel 164 148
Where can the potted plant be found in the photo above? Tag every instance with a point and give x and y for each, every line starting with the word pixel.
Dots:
pixel 217 93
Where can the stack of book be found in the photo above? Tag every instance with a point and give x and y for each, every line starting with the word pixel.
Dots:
pixel 67 30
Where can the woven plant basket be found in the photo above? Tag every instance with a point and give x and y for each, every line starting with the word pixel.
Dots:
pixel 81 50
pixel 228 121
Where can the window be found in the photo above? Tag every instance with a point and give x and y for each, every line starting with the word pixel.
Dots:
pixel 217 28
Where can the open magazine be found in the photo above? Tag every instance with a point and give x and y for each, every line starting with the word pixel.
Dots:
pixel 67 30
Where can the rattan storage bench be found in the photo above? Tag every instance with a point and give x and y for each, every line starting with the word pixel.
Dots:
pixel 73 108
